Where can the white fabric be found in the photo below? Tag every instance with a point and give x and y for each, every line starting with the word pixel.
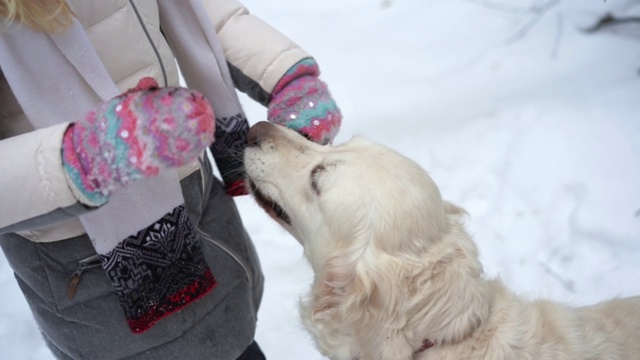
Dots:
pixel 129 209
pixel 121 44
pixel 37 161
pixel 200 54
pixel 261 52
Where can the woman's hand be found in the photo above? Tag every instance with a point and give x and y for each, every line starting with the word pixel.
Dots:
pixel 302 102
pixel 133 136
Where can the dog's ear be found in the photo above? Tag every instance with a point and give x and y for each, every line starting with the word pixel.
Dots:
pixel 326 312
pixel 376 299
pixel 358 300
pixel 438 294
pixel 451 296
pixel 329 287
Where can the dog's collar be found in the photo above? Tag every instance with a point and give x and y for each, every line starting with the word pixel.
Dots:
pixel 425 345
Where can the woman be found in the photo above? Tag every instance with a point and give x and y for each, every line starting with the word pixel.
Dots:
pixel 122 241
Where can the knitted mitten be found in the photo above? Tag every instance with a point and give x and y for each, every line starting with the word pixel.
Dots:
pixel 134 135
pixel 160 269
pixel 301 101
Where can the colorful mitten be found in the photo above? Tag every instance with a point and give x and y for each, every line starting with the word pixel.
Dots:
pixel 160 269
pixel 301 101
pixel 134 135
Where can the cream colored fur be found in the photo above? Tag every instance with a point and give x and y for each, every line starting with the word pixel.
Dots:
pixel 393 265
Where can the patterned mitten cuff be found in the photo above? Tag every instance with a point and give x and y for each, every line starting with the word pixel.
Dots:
pixel 301 101
pixel 133 136
pixel 159 270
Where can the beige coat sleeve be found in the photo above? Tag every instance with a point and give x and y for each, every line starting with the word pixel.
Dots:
pixel 255 51
pixel 32 180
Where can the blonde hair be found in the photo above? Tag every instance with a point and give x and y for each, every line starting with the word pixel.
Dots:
pixel 40 15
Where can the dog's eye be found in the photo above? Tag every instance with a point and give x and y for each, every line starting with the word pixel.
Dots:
pixel 314 178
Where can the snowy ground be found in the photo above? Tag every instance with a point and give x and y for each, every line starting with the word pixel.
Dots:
pixel 530 124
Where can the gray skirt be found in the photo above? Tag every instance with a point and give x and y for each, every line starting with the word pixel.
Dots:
pixel 92 325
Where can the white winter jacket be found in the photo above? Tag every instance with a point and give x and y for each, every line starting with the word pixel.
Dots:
pixel 127 38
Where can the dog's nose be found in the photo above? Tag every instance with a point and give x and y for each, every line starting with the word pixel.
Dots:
pixel 257 132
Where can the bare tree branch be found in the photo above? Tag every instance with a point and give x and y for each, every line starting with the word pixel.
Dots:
pixel 538 14
pixel 609 20
pixel 558 38
pixel 500 7
pixel 566 283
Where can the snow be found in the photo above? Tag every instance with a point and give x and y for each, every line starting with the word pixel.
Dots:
pixel 522 118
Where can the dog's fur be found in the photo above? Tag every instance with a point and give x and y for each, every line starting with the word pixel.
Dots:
pixel 395 269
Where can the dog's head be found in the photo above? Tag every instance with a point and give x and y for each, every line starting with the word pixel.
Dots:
pixel 324 194
pixel 383 244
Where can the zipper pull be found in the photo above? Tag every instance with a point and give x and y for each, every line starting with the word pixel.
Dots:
pixel 84 264
pixel 73 286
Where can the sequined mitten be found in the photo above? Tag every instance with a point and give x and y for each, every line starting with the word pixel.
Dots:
pixel 302 102
pixel 134 135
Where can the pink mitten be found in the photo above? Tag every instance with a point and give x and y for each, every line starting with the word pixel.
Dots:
pixel 160 269
pixel 302 102
pixel 134 135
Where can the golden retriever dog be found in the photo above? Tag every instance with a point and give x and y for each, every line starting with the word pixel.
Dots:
pixel 396 276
